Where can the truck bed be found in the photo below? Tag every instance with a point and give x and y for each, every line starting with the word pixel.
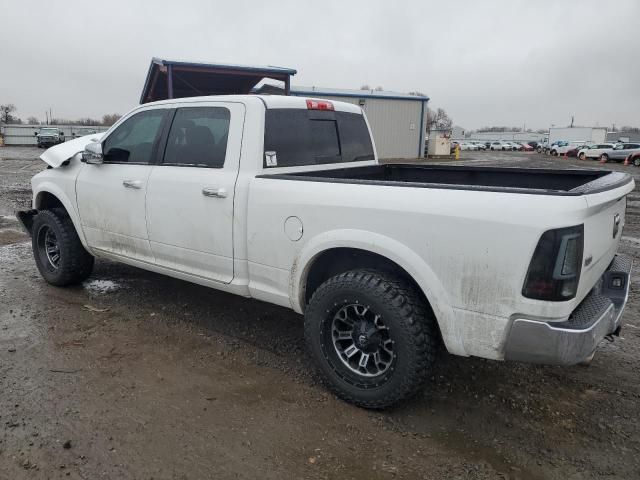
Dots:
pixel 495 179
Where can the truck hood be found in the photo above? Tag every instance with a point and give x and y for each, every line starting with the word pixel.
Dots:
pixel 56 156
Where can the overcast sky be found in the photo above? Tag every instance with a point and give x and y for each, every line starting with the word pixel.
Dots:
pixel 515 63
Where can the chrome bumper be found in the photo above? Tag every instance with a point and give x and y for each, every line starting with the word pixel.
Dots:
pixel 576 339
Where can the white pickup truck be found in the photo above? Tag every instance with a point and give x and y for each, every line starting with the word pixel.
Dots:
pixel 282 199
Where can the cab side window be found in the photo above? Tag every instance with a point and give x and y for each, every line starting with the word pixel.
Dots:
pixel 198 137
pixel 133 141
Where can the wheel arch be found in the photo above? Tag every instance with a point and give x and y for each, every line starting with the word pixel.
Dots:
pixel 338 251
pixel 48 196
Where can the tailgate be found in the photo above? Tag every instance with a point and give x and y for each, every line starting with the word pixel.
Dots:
pixel 602 232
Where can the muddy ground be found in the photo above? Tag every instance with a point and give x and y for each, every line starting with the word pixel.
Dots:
pixel 137 376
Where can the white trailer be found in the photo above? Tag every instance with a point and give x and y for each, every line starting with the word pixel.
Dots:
pixel 577 134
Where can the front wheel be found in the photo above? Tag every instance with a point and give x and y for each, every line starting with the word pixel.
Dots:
pixel 58 252
pixel 604 158
pixel 372 336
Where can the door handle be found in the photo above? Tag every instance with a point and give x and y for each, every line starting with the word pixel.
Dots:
pixel 214 192
pixel 132 184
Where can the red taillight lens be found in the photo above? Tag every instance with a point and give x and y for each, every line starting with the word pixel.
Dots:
pixel 555 268
pixel 319 105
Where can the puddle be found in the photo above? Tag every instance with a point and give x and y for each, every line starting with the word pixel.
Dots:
pixel 14 251
pixel 101 286
pixel 633 240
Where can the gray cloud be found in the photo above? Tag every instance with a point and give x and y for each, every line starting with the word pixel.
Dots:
pixel 487 63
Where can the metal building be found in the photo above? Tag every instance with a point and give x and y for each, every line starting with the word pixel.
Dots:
pixel 398 120
pixel 623 137
pixel 25 134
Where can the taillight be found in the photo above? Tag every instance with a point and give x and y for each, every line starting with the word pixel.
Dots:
pixel 554 271
pixel 319 105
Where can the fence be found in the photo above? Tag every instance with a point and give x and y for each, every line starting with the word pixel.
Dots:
pixel 25 134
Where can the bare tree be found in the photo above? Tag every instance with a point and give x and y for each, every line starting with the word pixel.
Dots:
pixel 88 121
pixel 438 120
pixel 379 88
pixel 5 113
pixel 110 119
pixel 500 129
pixel 365 87
pixel 33 121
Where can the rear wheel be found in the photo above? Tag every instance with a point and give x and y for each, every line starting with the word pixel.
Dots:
pixel 636 161
pixel 58 252
pixel 582 156
pixel 372 336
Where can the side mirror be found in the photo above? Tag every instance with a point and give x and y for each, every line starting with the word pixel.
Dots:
pixel 93 154
pixel 35 134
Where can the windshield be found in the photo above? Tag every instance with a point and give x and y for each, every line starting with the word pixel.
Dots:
pixel 49 131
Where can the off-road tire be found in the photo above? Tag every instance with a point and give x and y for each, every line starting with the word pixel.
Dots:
pixel 409 321
pixel 75 263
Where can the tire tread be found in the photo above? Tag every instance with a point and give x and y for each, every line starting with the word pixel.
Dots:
pixel 413 312
pixel 78 263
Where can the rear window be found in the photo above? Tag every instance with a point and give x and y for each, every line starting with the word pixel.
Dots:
pixel 295 137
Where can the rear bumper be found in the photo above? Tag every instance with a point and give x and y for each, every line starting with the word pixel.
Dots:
pixel 576 339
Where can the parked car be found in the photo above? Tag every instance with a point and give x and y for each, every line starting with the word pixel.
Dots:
pixel 594 151
pixel 563 147
pixel 619 152
pixel 545 147
pixel 575 147
pixel 480 145
pixel 468 146
pixel 81 132
pixel 496 146
pixel 516 146
pixel 48 136
pixel 634 158
pixel 506 146
pixel 527 147
pixel 282 199
pixel 534 145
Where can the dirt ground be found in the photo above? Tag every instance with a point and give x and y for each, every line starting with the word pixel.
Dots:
pixel 135 375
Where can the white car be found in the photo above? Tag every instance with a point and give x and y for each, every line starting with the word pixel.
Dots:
pixel 501 146
pixel 563 147
pixel 594 151
pixel 468 146
pixel 480 145
pixel 282 199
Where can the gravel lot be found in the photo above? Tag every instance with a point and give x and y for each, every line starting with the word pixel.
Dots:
pixel 136 376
